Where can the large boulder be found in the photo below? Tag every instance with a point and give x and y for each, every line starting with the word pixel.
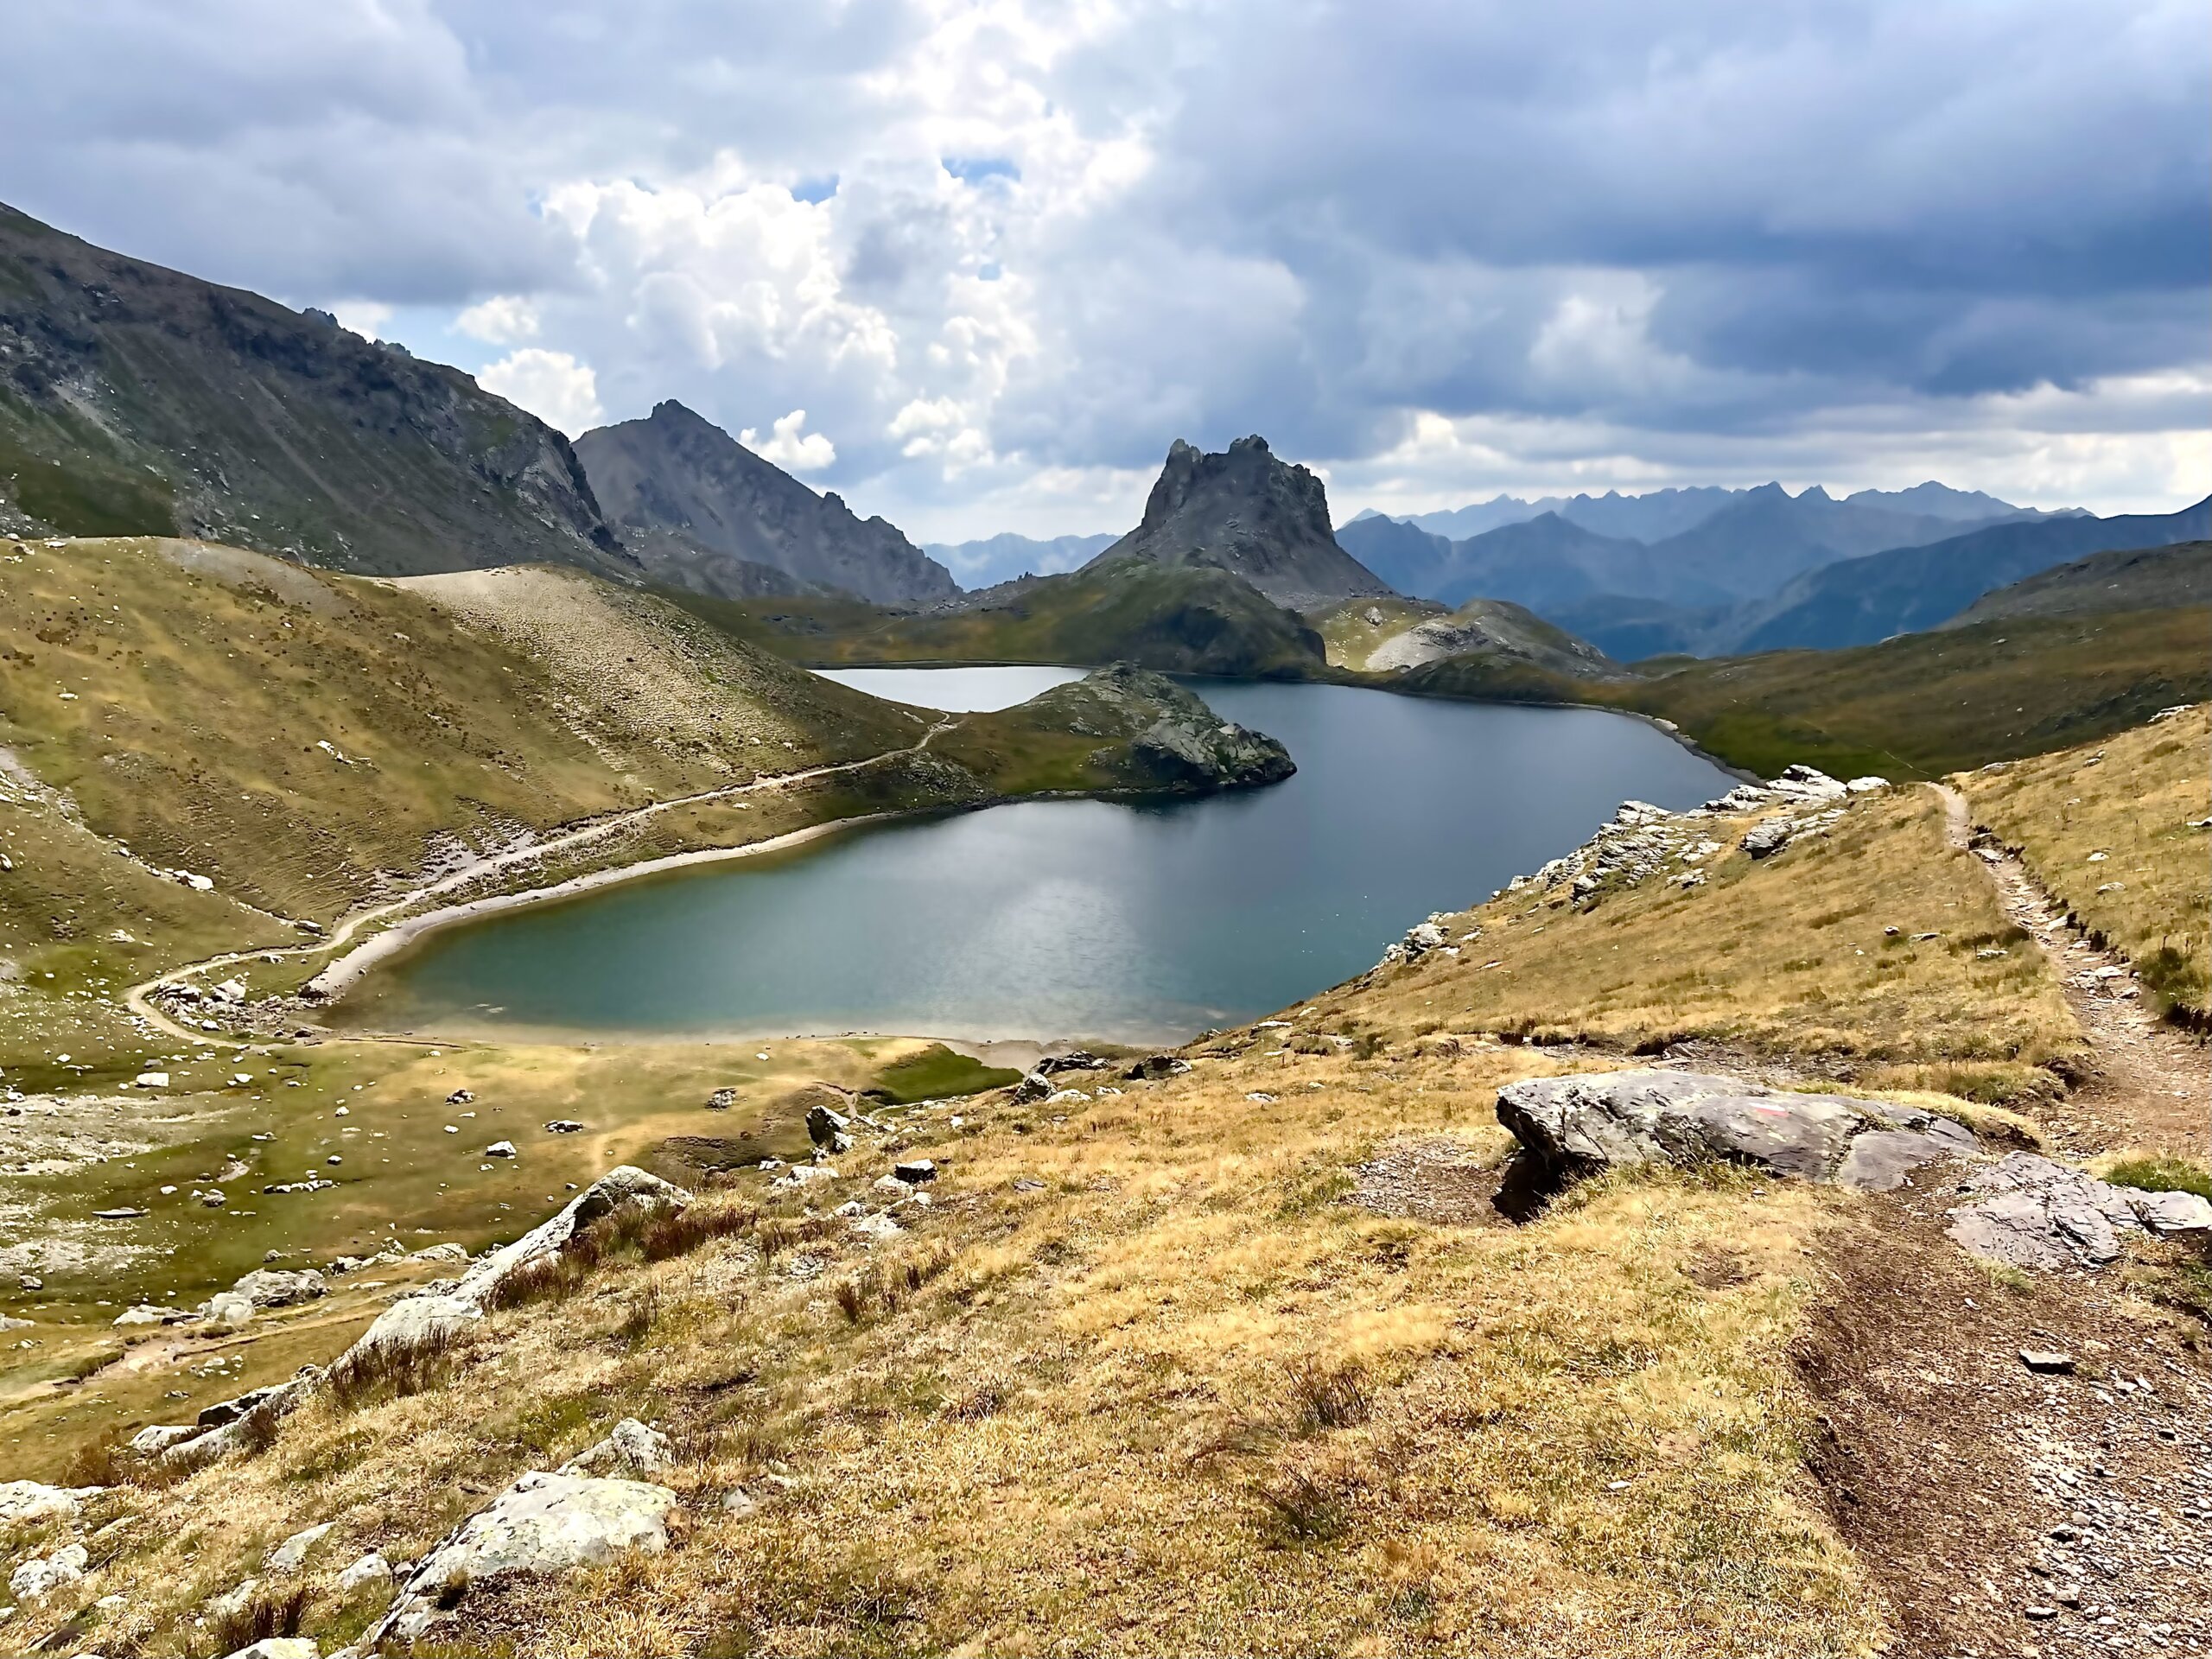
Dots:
pixel 1575 1126
pixel 234 1425
pixel 418 1321
pixel 438 1315
pixel 542 1525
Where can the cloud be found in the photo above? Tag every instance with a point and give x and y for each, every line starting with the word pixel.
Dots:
pixel 998 245
pixel 789 448
pixel 552 385
pixel 503 320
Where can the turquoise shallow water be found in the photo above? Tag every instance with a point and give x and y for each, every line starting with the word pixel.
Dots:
pixel 1071 919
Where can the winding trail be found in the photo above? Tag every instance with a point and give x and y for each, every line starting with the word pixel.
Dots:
pixel 2150 1086
pixel 139 997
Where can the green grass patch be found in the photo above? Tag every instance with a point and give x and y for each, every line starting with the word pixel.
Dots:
pixel 937 1074
pixel 2162 1173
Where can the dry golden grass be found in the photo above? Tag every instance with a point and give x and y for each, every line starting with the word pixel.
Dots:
pixel 1788 955
pixel 2132 798
pixel 1179 1396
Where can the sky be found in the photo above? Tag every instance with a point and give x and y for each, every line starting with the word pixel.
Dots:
pixel 975 263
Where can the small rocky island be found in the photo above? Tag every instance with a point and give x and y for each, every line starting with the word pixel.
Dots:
pixel 1154 736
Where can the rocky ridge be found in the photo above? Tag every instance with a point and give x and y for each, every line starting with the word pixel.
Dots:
pixel 704 513
pixel 146 402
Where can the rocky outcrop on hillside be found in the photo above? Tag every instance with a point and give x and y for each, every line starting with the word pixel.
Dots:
pixel 141 400
pixel 1174 743
pixel 1252 515
pixel 705 513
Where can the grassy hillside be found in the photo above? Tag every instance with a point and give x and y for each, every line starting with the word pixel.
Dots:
pixel 2116 831
pixel 1239 1359
pixel 300 739
pixel 1914 707
pixel 1178 619
pixel 138 400
pixel 1787 955
pixel 2150 579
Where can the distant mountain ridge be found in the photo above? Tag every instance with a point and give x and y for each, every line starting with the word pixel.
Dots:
pixel 137 400
pixel 1907 589
pixel 1245 512
pixel 1657 514
pixel 992 559
pixel 704 513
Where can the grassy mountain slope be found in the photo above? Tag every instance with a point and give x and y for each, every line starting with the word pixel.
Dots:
pixel 1392 636
pixel 2146 578
pixel 1915 707
pixel 137 400
pixel 1239 1359
pixel 1859 601
pixel 1186 619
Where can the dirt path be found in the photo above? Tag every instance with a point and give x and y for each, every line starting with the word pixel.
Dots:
pixel 2000 1511
pixel 2150 1086
pixel 139 997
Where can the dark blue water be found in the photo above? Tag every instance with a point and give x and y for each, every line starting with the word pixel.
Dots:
pixel 1081 918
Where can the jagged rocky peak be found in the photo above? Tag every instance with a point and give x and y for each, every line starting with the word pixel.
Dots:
pixel 1247 511
pixel 705 513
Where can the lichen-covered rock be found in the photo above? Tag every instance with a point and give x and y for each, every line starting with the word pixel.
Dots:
pixel 1575 1126
pixel 41 1576
pixel 420 1321
pixel 278 1287
pixel 542 1525
pixel 630 1447
pixel 23 1502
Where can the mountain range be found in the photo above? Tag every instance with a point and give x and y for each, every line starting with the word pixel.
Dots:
pixel 1656 514
pixel 992 559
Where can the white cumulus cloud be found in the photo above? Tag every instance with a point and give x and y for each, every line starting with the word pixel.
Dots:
pixel 503 320
pixel 791 448
pixel 552 385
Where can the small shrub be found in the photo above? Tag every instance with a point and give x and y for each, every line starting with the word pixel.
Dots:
pixel 392 1370
pixel 643 1313
pixel 1330 1396
pixel 271 1612
pixel 1295 1509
